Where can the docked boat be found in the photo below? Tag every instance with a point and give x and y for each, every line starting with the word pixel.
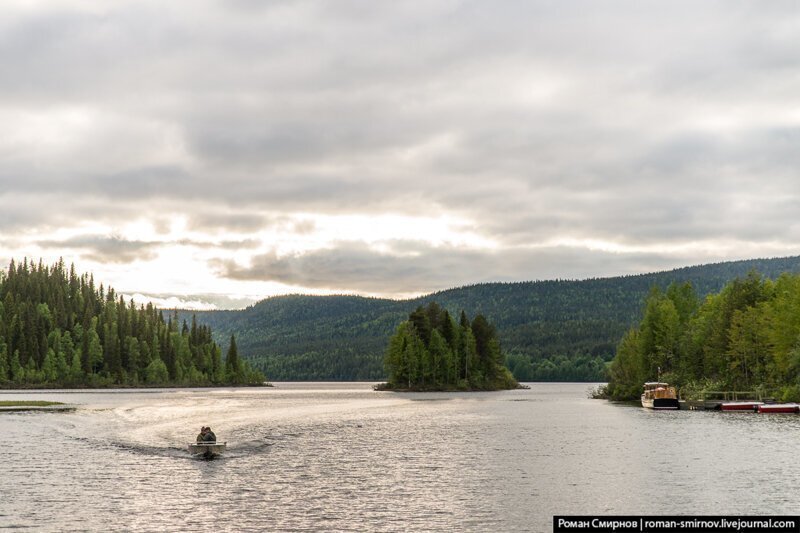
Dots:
pixel 740 406
pixel 779 408
pixel 207 450
pixel 658 395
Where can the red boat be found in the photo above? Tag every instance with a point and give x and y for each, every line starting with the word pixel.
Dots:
pixel 779 408
pixel 740 406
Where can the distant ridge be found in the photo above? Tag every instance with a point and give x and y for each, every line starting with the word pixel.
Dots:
pixel 563 329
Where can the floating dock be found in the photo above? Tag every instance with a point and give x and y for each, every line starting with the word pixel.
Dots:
pixel 784 408
pixel 739 402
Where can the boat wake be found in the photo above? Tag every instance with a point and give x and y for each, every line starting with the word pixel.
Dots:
pixel 151 451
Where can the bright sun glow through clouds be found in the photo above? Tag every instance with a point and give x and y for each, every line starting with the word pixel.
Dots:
pixel 178 262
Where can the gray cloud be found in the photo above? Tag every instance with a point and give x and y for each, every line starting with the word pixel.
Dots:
pixel 636 123
pixel 221 222
pixel 414 267
pixel 114 249
pixel 224 244
pixel 105 249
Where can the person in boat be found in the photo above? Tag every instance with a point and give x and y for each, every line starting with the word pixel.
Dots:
pixel 210 436
pixel 202 435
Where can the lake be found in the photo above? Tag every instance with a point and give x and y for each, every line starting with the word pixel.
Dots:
pixel 339 456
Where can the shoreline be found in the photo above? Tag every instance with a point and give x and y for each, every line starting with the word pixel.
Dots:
pixel 51 387
pixel 383 387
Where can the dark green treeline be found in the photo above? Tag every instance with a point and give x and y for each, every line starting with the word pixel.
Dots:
pixel 744 338
pixel 430 351
pixel 57 329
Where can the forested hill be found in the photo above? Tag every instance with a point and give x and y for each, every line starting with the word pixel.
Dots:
pixel 552 330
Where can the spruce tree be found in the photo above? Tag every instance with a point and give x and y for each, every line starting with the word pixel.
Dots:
pixel 232 364
pixel 4 363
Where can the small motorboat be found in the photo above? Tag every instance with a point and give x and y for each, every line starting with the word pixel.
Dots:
pixel 207 450
pixel 779 408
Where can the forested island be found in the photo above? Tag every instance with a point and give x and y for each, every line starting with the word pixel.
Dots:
pixel 58 330
pixel 431 352
pixel 744 338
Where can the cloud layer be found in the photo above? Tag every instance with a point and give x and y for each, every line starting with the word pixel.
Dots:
pixel 554 139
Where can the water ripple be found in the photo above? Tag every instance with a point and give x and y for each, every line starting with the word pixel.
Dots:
pixel 341 457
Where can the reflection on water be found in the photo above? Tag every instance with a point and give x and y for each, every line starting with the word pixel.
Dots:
pixel 342 457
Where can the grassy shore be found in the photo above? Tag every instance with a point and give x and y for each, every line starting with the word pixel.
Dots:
pixel 27 403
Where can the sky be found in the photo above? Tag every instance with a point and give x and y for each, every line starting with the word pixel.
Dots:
pixel 209 154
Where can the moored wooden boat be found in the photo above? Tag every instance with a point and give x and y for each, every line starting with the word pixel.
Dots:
pixel 659 395
pixel 207 450
pixel 779 408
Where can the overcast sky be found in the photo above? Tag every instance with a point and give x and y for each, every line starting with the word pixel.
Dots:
pixel 212 153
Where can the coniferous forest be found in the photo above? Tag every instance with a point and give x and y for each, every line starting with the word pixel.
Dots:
pixel 57 329
pixel 430 351
pixel 744 338
pixel 558 330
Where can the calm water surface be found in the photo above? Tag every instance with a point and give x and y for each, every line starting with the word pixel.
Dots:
pixel 341 457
